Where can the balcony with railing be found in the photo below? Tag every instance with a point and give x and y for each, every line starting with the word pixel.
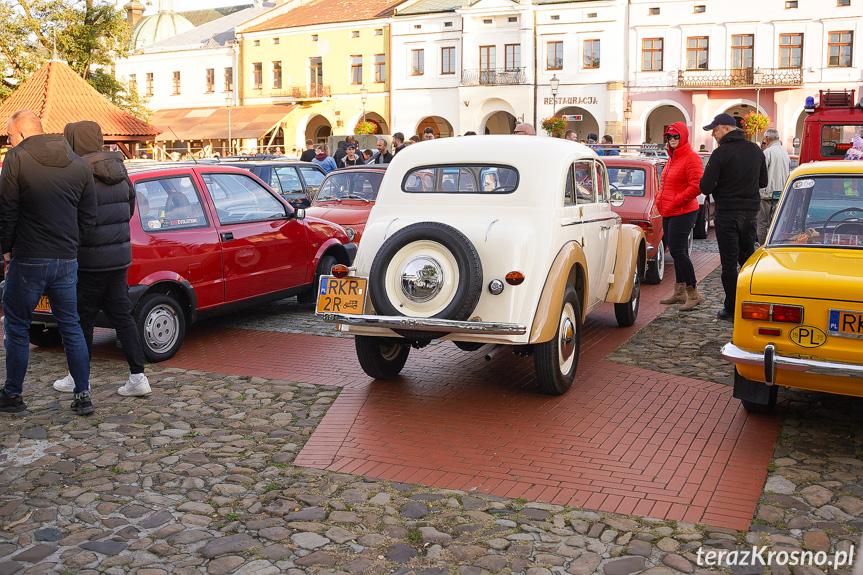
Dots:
pixel 492 77
pixel 740 78
pixel 310 92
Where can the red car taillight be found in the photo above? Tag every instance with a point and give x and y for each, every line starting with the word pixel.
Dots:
pixel 643 224
pixel 772 312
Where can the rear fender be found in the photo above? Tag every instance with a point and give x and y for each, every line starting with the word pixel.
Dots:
pixel 169 283
pixel 569 267
pixel 631 256
pixel 331 247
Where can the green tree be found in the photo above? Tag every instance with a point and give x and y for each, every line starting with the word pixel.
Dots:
pixel 87 34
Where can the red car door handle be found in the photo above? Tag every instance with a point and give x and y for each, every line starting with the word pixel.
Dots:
pixel 227 236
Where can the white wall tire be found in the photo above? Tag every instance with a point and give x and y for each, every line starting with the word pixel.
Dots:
pixel 398 288
pixel 656 267
pixel 556 361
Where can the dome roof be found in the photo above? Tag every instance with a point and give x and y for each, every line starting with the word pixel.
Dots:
pixel 160 26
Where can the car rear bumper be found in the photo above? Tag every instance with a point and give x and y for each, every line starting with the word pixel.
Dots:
pixel 427 324
pixel 771 361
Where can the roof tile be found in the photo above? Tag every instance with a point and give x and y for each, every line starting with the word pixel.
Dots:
pixel 328 12
pixel 58 96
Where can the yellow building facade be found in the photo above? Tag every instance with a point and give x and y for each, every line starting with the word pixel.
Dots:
pixel 332 61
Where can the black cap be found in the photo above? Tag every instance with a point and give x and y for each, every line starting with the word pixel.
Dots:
pixel 721 120
pixel 592 138
pixel 354 146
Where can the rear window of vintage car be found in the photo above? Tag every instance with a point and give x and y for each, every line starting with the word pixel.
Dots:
pixel 821 211
pixel 462 179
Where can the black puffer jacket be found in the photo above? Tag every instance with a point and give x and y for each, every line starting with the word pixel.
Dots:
pixel 734 174
pixel 108 246
pixel 46 199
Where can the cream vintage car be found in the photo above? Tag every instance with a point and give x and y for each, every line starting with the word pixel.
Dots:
pixel 501 240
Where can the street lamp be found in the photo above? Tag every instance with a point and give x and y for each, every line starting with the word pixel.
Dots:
pixel 627 114
pixel 364 94
pixel 229 101
pixel 757 78
pixel 555 84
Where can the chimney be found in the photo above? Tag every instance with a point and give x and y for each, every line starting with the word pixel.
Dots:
pixel 134 11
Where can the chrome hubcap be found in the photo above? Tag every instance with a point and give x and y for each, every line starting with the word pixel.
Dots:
pixel 160 329
pixel 421 279
pixel 567 339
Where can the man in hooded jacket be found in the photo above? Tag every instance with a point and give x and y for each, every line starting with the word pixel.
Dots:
pixel 47 202
pixel 105 255
pixel 734 174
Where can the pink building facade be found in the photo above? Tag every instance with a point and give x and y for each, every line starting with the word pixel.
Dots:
pixel 688 61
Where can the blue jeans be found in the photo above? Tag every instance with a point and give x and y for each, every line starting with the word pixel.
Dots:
pixel 26 280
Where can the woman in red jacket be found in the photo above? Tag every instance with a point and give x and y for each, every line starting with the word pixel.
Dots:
pixel 679 208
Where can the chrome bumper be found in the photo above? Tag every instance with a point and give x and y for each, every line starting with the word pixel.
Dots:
pixel 427 324
pixel 771 361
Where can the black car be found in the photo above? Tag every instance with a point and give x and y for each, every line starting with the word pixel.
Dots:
pixel 297 182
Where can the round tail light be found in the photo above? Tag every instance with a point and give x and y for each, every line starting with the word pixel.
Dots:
pixel 340 270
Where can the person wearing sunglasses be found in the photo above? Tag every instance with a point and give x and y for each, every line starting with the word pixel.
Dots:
pixel 678 206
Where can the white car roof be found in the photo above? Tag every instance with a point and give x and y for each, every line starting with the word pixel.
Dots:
pixel 538 160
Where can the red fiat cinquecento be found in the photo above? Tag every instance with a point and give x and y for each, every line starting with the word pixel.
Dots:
pixel 207 240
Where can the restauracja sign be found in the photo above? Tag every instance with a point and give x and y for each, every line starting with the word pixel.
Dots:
pixel 572 100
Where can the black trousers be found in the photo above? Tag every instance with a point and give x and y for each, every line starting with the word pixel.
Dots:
pixel 675 230
pixel 736 233
pixel 109 292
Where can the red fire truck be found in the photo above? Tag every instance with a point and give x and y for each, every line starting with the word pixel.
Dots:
pixel 830 126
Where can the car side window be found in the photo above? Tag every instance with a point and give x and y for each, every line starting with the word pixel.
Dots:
pixel 168 204
pixel 568 190
pixel 466 178
pixel 241 199
pixel 601 182
pixel 313 178
pixel 584 181
pixel 287 181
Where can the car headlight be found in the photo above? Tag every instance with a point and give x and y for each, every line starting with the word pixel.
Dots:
pixel 351 233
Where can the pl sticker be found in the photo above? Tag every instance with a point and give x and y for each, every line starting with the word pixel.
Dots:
pixel 154 224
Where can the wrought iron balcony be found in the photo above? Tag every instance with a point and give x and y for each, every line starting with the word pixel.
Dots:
pixel 492 77
pixel 310 92
pixel 740 78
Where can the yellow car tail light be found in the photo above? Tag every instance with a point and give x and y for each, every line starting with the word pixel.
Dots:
pixel 772 312
pixel 751 310
pixel 787 313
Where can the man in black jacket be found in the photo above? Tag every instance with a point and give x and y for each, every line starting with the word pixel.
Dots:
pixel 382 156
pixel 734 174
pixel 47 202
pixel 105 255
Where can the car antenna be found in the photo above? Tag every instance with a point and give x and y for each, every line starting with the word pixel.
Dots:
pixel 176 137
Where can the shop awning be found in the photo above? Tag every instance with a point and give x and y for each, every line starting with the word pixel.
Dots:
pixel 189 124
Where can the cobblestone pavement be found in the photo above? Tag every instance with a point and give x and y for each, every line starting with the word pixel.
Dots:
pixel 198 478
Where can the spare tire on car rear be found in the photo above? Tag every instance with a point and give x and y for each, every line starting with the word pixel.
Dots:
pixel 426 270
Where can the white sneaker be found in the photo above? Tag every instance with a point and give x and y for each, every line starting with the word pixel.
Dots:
pixel 137 385
pixel 67 384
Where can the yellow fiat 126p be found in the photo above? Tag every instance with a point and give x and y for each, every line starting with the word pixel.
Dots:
pixel 799 315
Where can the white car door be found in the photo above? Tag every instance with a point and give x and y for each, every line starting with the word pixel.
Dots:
pixel 590 217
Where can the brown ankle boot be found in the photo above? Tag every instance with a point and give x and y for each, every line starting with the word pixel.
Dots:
pixel 679 295
pixel 693 298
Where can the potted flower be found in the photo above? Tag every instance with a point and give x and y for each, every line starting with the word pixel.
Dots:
pixel 755 123
pixel 366 127
pixel 555 126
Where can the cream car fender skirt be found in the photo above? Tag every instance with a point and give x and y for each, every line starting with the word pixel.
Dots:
pixel 426 270
pixel 569 265
pixel 630 247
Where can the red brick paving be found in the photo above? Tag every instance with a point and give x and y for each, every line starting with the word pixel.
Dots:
pixel 623 439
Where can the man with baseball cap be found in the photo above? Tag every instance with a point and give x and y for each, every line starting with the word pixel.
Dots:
pixel 734 174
